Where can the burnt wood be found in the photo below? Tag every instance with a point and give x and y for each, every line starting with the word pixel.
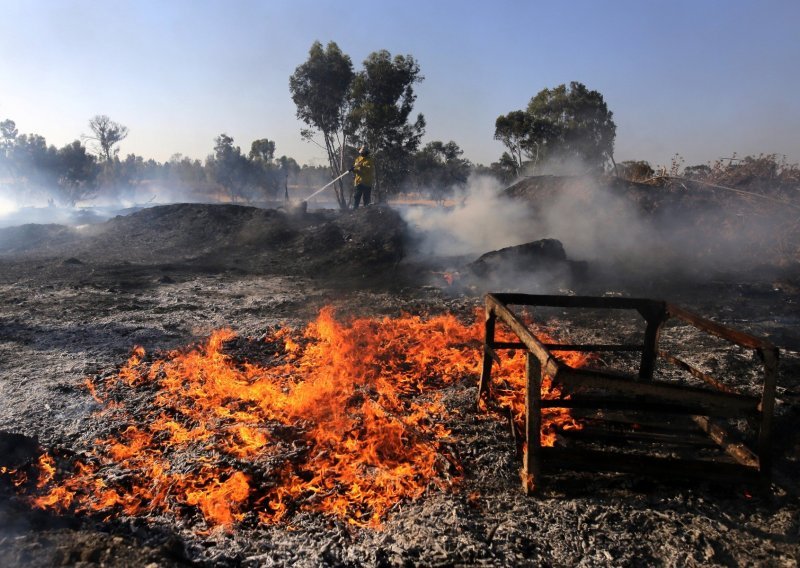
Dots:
pixel 630 397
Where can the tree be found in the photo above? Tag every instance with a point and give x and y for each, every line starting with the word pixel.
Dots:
pixel 262 150
pixel 264 171
pixel 563 124
pixel 231 170
pixel 8 133
pixel 635 170
pixel 320 88
pixel 506 169
pixel 287 167
pixel 8 136
pixel 383 99
pixel 512 130
pixel 439 167
pixel 34 166
pixel 77 173
pixel 107 134
pixel 570 123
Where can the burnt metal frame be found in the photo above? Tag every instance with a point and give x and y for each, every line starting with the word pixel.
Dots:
pixel 633 393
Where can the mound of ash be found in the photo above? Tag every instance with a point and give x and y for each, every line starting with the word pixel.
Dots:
pixel 220 237
pixel 33 237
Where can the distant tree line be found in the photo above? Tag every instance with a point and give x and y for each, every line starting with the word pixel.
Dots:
pixel 90 167
pixel 567 129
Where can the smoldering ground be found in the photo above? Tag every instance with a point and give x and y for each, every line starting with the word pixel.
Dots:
pixel 620 229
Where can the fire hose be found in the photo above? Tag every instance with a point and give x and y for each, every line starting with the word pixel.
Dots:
pixel 326 186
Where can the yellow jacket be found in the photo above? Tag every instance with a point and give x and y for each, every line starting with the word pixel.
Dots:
pixel 364 168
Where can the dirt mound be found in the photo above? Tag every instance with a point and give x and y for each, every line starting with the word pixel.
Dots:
pixel 171 232
pixel 31 237
pixel 224 237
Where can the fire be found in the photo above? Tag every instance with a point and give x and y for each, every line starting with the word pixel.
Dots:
pixel 340 418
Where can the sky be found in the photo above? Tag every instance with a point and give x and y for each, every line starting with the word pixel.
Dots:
pixel 702 78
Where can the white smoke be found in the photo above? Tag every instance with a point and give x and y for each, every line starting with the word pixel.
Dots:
pixel 479 221
pixel 602 223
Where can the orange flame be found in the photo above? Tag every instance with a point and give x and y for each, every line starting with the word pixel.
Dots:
pixel 344 419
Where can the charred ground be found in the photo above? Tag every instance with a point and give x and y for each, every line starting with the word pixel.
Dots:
pixel 75 301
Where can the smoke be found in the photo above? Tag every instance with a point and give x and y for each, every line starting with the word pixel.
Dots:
pixel 479 221
pixel 611 225
pixel 595 224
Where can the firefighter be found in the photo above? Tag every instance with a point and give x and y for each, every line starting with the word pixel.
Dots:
pixel 364 170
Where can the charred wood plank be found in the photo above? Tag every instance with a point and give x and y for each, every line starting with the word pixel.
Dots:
pixel 555 459
pixel 531 459
pixel 713 403
pixel 696 373
pixel 486 365
pixel 675 438
pixel 550 365
pixel 649 404
pixel 570 347
pixel 717 329
pixel 555 301
pixel 655 316
pixel 728 442
pixel 767 406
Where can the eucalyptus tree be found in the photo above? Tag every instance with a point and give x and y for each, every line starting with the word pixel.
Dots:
pixel 77 173
pixel 439 168
pixel 229 168
pixel 564 124
pixel 320 89
pixel 382 102
pixel 512 130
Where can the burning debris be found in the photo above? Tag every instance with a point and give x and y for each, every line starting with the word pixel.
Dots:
pixel 265 447
pixel 645 400
pixel 343 419
pixel 227 237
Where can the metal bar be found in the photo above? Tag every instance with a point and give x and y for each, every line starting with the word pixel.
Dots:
pixel 531 458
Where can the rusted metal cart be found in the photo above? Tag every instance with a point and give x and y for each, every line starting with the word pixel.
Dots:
pixel 604 393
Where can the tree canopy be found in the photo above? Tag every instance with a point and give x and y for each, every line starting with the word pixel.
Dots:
pixel 320 89
pixel 565 124
pixel 439 168
pixel 383 100
pixel 372 106
pixel 107 134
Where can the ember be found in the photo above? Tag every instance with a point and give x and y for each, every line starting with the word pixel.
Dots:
pixel 344 419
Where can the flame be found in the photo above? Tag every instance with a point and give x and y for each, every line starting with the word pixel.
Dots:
pixel 340 418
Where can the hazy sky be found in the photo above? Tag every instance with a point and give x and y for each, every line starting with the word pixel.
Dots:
pixel 700 78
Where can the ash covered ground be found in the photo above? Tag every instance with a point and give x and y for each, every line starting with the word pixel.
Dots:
pixel 75 301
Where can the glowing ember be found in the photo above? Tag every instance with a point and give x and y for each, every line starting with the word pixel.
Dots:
pixel 345 419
